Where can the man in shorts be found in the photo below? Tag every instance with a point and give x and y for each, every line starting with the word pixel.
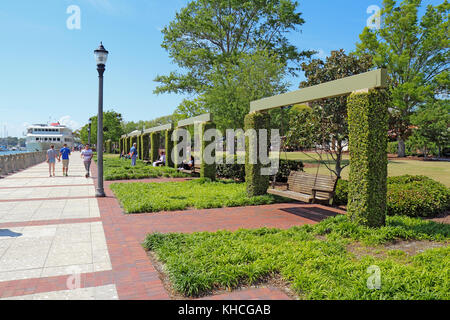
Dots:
pixel 52 155
pixel 134 154
pixel 87 155
pixel 65 153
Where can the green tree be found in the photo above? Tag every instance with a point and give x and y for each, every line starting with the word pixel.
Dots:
pixel 112 128
pixel 235 85
pixel 433 125
pixel 324 127
pixel 207 33
pixel 415 52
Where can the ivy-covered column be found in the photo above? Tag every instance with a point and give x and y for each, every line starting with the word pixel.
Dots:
pixel 368 129
pixel 169 147
pixel 130 144
pixel 139 144
pixel 155 144
pixel 145 146
pixel 207 170
pixel 125 145
pixel 120 145
pixel 257 184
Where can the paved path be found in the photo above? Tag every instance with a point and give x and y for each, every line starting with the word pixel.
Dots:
pixel 57 241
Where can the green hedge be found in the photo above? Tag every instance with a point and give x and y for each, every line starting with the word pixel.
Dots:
pixel 237 171
pixel 206 170
pixel 145 146
pixel 415 196
pixel 257 184
pixel 410 149
pixel 108 146
pixel 169 148
pixel 368 128
pixel 155 142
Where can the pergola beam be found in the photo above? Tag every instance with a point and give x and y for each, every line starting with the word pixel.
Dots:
pixel 199 119
pixel 340 87
pixel 159 129
pixel 134 133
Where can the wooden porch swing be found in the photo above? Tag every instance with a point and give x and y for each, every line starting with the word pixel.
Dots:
pixel 306 187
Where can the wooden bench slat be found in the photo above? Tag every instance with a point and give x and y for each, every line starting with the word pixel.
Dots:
pixel 308 187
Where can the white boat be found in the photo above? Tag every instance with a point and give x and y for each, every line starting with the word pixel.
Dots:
pixel 41 136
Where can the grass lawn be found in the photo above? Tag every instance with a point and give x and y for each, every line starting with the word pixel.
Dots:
pixel 121 169
pixel 329 260
pixel 198 194
pixel 439 171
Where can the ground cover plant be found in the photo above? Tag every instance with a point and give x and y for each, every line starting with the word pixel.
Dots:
pixel 317 262
pixel 199 194
pixel 121 169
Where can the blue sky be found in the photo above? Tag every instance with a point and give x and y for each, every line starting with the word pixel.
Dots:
pixel 48 71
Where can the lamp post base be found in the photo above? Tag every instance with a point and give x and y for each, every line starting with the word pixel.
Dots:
pixel 99 193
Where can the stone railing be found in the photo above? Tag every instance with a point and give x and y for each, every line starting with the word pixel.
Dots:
pixel 15 162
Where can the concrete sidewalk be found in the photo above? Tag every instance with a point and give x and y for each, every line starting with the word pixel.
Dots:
pixel 50 227
pixel 57 241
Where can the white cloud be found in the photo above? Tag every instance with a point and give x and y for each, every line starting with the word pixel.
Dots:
pixel 67 121
pixel 321 54
pixel 104 5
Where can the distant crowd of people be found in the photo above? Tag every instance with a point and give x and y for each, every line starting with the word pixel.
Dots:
pixel 87 154
pixel 133 155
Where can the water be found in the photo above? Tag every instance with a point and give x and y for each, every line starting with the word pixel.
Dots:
pixel 5 153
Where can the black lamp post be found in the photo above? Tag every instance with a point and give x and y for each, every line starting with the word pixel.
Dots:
pixel 101 56
pixel 89 131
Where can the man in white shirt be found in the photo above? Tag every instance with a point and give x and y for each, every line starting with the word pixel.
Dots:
pixel 87 155
pixel 161 161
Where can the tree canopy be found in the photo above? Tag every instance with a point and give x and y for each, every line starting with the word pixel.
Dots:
pixel 432 124
pixel 112 128
pixel 415 51
pixel 207 33
pixel 324 126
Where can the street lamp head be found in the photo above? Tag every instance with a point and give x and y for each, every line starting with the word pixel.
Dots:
pixel 101 55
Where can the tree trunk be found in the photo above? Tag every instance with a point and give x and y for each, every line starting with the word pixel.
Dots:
pixel 338 167
pixel 401 148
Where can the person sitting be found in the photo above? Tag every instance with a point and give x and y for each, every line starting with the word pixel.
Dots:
pixel 161 161
pixel 189 165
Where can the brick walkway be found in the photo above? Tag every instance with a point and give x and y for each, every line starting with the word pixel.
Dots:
pixel 58 242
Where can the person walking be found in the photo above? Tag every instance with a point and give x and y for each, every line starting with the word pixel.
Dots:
pixel 134 154
pixel 52 155
pixel 65 153
pixel 87 155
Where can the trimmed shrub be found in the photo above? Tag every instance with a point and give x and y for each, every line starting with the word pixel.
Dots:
pixel 169 148
pixel 341 193
pixel 257 184
pixel 392 147
pixel 237 171
pixel 206 170
pixel 417 196
pixel 155 144
pixel 145 146
pixel 368 128
pixel 414 196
